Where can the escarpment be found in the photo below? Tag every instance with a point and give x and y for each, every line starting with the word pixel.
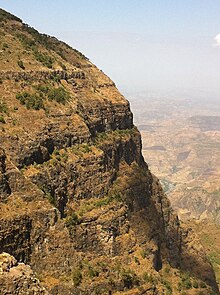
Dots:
pixel 78 202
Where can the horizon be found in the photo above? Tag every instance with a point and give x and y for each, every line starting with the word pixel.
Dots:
pixel 162 48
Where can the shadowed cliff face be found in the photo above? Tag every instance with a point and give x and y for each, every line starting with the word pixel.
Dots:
pixel 78 203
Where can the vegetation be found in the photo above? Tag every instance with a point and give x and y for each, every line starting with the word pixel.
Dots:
pixel 4 15
pixel 148 278
pixel 51 198
pixel 2 120
pixel 21 65
pixel 50 43
pixel 72 220
pixel 187 282
pixel 168 287
pixel 77 277
pixel 45 59
pixel 145 253
pixel 62 66
pixel 59 94
pixel 129 278
pixel 3 107
pixel 81 149
pixel 4 46
pixel 31 101
pixel 118 134
pixel 31 45
pixel 95 203
pixel 28 43
pixel 92 272
pixel 43 92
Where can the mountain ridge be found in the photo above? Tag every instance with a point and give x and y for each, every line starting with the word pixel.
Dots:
pixel 78 202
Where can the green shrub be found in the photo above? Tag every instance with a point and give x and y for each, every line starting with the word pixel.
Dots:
pixel 56 152
pixel 21 65
pixel 136 260
pixel 42 88
pixel 59 94
pixel 62 66
pixel 45 59
pixel 168 287
pixel 167 269
pixel 4 46
pixel 148 278
pixel 101 136
pixel 195 285
pixel 186 282
pixel 27 43
pixel 129 278
pixel 3 107
pixel 203 285
pixel 31 101
pixel 2 120
pixel 81 149
pixel 51 198
pixel 103 202
pixel 92 272
pixel 72 220
pixel 143 254
pixel 77 277
pixel 55 77
pixel 4 15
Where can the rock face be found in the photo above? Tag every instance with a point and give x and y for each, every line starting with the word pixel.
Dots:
pixel 78 202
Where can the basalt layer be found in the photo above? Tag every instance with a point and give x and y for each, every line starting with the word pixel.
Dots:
pixel 78 202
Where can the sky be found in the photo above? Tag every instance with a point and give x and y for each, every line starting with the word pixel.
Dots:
pixel 167 47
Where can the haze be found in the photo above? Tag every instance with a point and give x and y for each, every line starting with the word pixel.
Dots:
pixel 165 47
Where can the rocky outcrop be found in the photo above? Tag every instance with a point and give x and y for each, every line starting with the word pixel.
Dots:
pixel 18 278
pixel 32 76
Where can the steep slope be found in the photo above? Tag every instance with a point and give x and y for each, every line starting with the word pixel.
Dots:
pixel 78 203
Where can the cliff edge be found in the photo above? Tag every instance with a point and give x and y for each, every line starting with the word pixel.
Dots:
pixel 78 202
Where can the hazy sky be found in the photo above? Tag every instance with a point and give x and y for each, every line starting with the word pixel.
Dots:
pixel 163 46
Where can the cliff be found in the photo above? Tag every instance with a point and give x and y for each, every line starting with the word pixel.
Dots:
pixel 78 202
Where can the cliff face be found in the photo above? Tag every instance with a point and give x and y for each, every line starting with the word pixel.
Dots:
pixel 78 203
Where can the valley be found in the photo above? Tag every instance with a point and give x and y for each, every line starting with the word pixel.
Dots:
pixel 181 144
